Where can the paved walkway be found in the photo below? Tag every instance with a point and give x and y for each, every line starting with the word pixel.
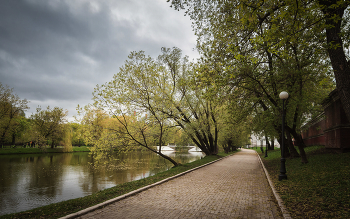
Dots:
pixel 234 187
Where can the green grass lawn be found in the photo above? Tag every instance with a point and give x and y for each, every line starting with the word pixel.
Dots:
pixel 319 189
pixel 20 150
pixel 67 207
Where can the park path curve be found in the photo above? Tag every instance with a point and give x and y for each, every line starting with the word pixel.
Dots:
pixel 234 187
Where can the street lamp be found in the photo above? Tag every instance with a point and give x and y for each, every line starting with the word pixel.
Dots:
pixel 283 95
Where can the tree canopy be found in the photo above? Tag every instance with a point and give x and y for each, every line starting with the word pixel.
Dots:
pixel 159 95
pixel 12 109
pixel 48 125
pixel 260 48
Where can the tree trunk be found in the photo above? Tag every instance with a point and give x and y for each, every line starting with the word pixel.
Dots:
pixel 13 139
pixel 268 146
pixel 272 146
pixel 200 141
pixel 169 159
pixel 293 152
pixel 262 146
pixel 226 149
pixel 2 139
pixel 335 49
pixel 302 152
pixel 286 149
pixel 301 145
pixel 229 145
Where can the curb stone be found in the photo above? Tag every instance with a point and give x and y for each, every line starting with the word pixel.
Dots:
pixel 103 204
pixel 284 210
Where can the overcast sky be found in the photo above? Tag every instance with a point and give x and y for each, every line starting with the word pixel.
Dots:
pixel 54 52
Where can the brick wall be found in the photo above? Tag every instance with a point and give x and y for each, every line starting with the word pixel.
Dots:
pixel 331 128
pixel 313 132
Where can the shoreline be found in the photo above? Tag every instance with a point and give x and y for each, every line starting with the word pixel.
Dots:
pixel 21 151
pixel 64 208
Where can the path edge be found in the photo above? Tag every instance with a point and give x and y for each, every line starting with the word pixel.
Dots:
pixel 284 210
pixel 110 201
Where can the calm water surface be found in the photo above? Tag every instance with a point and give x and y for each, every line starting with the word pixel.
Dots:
pixel 31 181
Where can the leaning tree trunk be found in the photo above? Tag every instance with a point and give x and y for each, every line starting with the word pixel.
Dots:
pixel 293 152
pixel 206 143
pixel 299 142
pixel 301 145
pixel 168 158
pixel 334 11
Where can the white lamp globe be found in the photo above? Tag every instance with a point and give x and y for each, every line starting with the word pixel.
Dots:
pixel 284 95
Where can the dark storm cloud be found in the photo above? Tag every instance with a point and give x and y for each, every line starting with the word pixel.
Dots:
pixel 55 52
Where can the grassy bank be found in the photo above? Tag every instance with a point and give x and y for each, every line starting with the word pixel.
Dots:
pixel 67 207
pixel 319 189
pixel 39 151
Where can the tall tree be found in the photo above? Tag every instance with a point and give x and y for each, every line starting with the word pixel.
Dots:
pixel 48 125
pixel 11 111
pixel 258 49
pixel 234 132
pixel 336 14
pixel 162 89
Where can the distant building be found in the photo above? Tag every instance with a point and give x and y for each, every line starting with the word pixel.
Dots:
pixel 257 141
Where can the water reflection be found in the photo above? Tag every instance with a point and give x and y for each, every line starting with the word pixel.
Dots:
pixel 30 181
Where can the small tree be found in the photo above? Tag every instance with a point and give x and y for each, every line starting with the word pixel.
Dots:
pixel 48 125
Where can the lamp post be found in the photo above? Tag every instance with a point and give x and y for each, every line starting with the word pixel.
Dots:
pixel 283 95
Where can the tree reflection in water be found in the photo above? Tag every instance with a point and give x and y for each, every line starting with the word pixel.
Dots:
pixel 30 181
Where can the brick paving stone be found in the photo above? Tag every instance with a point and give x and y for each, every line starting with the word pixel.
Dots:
pixel 234 187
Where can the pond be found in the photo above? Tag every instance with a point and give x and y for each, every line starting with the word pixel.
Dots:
pixel 33 180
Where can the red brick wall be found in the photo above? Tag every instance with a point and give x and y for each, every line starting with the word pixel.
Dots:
pixel 314 135
pixel 331 128
pixel 337 130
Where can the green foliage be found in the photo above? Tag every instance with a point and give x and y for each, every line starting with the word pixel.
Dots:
pixel 159 94
pixel 234 132
pixel 12 121
pixel 180 137
pixel 319 189
pixel 67 138
pixel 100 132
pixel 255 49
pixel 77 138
pixel 48 126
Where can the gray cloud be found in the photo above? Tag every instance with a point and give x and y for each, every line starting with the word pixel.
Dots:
pixel 55 52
